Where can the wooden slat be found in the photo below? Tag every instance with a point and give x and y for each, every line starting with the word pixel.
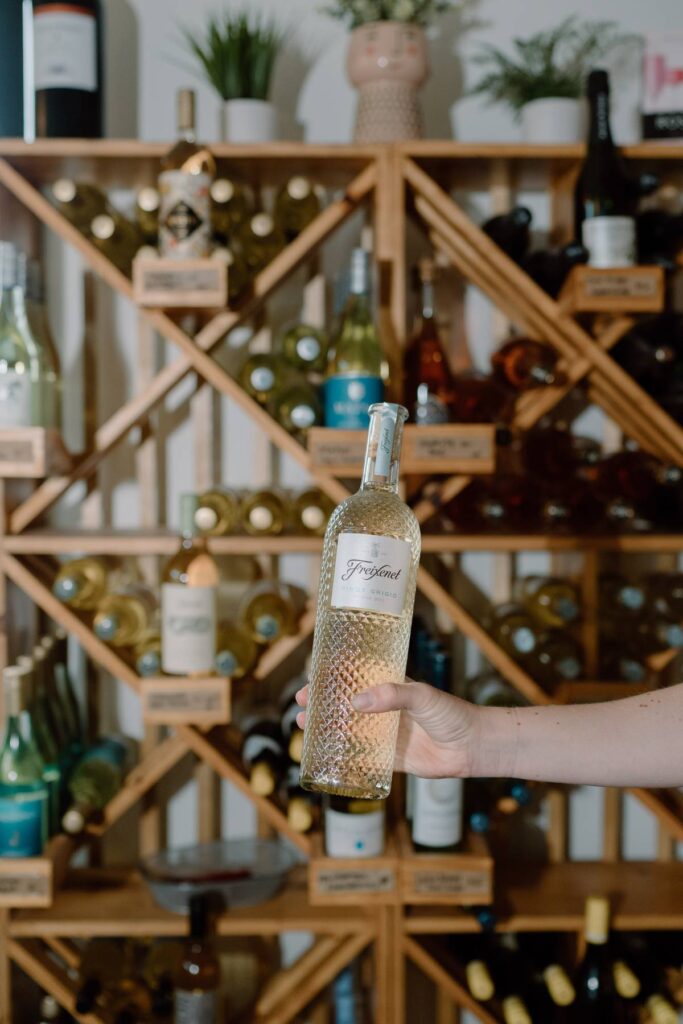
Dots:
pixel 445 981
pixel 285 981
pixel 611 825
pixel 274 656
pixel 195 350
pixel 65 950
pixel 30 957
pixel 557 802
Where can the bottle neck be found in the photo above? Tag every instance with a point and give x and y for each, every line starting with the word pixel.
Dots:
pixel 600 132
pixel 383 452
pixel 427 300
pixel 188 135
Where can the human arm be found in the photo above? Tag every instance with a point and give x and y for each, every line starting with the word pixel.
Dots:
pixel 630 742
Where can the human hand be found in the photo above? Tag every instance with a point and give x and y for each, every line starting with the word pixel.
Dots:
pixel 436 729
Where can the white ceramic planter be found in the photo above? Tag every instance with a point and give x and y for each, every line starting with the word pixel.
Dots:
pixel 554 121
pixel 249 121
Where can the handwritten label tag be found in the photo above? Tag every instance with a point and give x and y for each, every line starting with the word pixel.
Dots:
pixel 347 452
pixel 172 701
pixel 450 883
pixel 180 283
pixel 429 447
pixel 23 888
pixel 190 279
pixel 352 880
pixel 621 286
pixel 16 451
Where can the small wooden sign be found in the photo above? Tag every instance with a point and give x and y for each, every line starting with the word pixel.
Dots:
pixel 180 283
pixel 26 882
pixel 445 448
pixel 167 700
pixel 32 453
pixel 349 880
pixel 457 879
pixel 619 290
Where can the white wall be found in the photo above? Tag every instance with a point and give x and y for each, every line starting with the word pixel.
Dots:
pixel 311 79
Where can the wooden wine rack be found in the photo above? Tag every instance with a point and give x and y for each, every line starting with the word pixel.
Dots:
pixel 395 182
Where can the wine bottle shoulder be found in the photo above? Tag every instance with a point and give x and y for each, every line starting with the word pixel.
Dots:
pixel 375 511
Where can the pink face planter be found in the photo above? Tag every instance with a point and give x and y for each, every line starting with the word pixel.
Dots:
pixel 388 62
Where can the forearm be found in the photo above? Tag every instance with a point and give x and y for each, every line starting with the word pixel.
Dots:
pixel 632 742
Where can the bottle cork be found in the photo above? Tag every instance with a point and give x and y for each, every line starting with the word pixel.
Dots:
pixel 597 920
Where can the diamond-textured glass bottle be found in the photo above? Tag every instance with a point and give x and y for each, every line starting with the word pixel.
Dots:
pixel 365 608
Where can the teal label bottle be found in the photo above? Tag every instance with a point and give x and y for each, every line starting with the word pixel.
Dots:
pixel 23 792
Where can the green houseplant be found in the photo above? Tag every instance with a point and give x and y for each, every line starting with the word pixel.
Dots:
pixel 543 79
pixel 237 54
pixel 388 62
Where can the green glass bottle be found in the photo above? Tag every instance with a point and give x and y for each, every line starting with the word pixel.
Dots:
pixel 296 205
pixel 305 348
pixel 297 408
pixel 261 375
pixel 19 363
pixel 47 747
pixel 47 693
pixel 95 781
pixel 43 410
pixel 357 367
pixel 56 688
pixel 64 680
pixel 40 328
pixel 23 793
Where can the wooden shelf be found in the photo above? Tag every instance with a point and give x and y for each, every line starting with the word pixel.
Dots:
pixel 644 896
pixel 627 543
pixel 92 904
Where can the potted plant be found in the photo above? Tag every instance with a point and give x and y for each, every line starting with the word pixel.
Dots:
pixel 237 55
pixel 388 61
pixel 543 80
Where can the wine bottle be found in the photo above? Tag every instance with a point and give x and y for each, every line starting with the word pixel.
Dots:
pixel 231 206
pixel 553 452
pixel 596 998
pixel 428 381
pixel 300 804
pixel 50 1010
pixel 269 610
pixel 477 398
pixel 45 687
pixel 365 608
pixel 296 206
pixel 262 375
pixel 61 695
pixel 81 583
pixel 496 504
pixel 665 593
pixel 618 661
pixel 436 814
pixel 147 202
pixel 310 512
pixel 514 630
pixel 125 615
pixel 95 780
pixel 604 199
pixel 649 351
pixel 297 408
pixel 557 658
pixel 117 238
pixel 356 366
pixel 567 506
pixel 20 380
pixel 39 325
pixel 100 968
pixel 147 655
pixel 511 982
pixel 264 513
pixel 263 753
pixel 551 602
pixel 159 968
pixel 236 651
pixel 66 63
pixel 23 792
pixel 353 827
pixel 218 512
pixel 43 368
pixel 238 273
pixel 621 596
pixel 305 348
pixel 197 981
pixel 184 183
pixel 11 73
pixel 480 980
pixel 647 974
pixel 511 231
pixel 659 234
pixel 549 267
pixel 626 982
pixel 45 743
pixel 523 363
pixel 80 202
pixel 188 601
pixel 260 241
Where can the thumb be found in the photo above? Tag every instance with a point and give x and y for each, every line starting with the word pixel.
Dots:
pixel 417 698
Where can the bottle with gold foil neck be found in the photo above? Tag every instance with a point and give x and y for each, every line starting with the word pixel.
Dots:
pixel 310 512
pixel 184 184
pixel 296 205
pixel 264 513
pixel 218 512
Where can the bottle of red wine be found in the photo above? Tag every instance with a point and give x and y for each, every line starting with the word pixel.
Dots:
pixel 511 231
pixel 604 198
pixel 63 42
pixel 11 71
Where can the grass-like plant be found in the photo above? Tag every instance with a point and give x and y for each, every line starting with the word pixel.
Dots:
pixel 237 54
pixel 547 65
pixel 363 12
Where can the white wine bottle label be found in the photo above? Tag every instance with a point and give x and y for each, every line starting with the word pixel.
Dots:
pixel 437 812
pixel 371 573
pixel 354 835
pixel 15 399
pixel 184 215
pixel 64 47
pixel 196 1007
pixel 611 241
pixel 188 629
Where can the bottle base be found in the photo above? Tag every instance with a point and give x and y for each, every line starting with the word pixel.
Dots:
pixel 345 787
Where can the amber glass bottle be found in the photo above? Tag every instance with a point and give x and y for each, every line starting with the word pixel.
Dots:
pixel 428 380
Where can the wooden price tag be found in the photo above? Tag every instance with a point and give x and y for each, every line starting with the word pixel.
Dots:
pixel 339 451
pixel 621 290
pixel 32 453
pixel 344 880
pixel 450 448
pixel 25 882
pixel 180 283
pixel 170 701
pixel 452 883
pixel 354 881
pixel 455 879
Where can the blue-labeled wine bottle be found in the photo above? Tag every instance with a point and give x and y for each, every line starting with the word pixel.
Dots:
pixel 23 791
pixel 356 368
